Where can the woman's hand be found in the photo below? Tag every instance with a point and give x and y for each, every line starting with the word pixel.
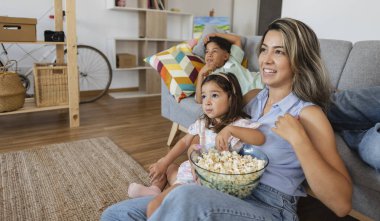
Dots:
pixel 289 128
pixel 221 140
pixel 157 171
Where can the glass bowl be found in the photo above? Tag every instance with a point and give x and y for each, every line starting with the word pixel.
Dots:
pixel 239 185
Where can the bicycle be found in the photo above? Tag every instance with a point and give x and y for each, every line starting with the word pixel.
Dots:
pixel 94 72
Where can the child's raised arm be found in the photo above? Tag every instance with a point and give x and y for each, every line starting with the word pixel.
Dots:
pixel 233 39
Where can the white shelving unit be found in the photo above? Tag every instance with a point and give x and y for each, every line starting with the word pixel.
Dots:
pixel 71 46
pixel 158 30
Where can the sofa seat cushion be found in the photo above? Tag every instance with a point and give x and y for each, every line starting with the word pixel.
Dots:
pixel 362 174
pixel 366 182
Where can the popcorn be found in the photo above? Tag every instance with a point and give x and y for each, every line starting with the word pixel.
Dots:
pixel 229 172
pixel 229 162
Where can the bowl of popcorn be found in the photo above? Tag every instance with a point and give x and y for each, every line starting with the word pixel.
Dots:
pixel 233 173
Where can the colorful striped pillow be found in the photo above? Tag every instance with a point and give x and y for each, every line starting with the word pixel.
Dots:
pixel 178 68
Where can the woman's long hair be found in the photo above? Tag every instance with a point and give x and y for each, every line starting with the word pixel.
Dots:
pixel 310 82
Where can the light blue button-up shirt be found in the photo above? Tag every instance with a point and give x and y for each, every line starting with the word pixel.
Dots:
pixel 284 171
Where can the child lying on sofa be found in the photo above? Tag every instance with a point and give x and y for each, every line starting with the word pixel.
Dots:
pixel 224 54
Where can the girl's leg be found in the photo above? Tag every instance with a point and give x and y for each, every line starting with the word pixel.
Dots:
pixel 134 209
pixel 136 190
pixel 194 202
pixel 171 173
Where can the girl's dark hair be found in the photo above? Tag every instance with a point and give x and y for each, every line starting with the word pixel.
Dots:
pixel 229 84
pixel 221 42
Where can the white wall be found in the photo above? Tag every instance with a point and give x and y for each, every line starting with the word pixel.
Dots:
pixel 245 17
pixel 351 20
pixel 96 24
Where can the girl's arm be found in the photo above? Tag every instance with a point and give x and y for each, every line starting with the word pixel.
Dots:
pixel 246 135
pixel 233 39
pixel 313 141
pixel 159 168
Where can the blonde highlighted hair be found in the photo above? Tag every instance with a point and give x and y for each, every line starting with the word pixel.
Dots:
pixel 310 82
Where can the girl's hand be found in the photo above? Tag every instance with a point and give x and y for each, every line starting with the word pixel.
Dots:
pixel 289 128
pixel 221 140
pixel 157 171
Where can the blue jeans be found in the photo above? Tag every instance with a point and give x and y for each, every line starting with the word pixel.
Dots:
pixel 355 114
pixel 194 202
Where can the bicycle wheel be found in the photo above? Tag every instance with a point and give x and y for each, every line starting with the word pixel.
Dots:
pixel 95 73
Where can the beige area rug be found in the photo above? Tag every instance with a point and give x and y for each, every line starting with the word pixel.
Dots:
pixel 66 181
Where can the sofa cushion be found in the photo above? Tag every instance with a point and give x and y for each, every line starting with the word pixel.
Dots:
pixel 362 67
pixel 250 50
pixel 178 68
pixel 185 113
pixel 334 55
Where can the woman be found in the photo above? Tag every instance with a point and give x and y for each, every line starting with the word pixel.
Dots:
pixel 300 142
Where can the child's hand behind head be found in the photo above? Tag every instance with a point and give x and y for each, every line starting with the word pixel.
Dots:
pixel 207 37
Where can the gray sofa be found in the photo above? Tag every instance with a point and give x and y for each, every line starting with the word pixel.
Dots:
pixel 350 66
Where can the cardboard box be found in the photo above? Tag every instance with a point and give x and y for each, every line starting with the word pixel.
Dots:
pixel 17 29
pixel 125 60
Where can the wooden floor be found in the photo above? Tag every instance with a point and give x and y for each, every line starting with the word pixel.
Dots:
pixel 134 124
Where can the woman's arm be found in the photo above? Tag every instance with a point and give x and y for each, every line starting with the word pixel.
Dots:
pixel 313 141
pixel 246 135
pixel 233 39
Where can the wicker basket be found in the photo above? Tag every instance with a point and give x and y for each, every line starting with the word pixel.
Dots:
pixel 12 92
pixel 50 82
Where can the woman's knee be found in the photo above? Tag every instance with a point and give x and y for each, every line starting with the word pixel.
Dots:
pixel 109 214
pixel 369 147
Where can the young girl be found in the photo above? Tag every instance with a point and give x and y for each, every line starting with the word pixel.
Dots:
pixel 224 54
pixel 225 125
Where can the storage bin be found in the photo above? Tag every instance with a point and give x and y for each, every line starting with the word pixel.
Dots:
pixel 125 60
pixel 17 29
pixel 12 92
pixel 50 82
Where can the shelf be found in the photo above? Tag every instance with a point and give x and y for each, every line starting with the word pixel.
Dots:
pixel 132 94
pixel 149 39
pixel 157 31
pixel 147 10
pixel 30 106
pixel 34 42
pixel 132 69
pixel 72 70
